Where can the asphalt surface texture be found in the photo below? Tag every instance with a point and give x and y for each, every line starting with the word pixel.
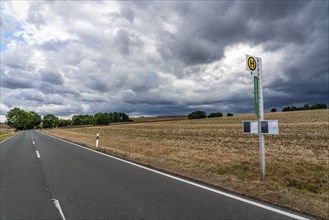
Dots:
pixel 46 178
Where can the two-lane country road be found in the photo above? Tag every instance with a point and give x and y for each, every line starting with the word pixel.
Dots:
pixel 46 178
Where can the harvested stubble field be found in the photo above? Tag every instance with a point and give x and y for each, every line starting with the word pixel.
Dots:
pixel 216 152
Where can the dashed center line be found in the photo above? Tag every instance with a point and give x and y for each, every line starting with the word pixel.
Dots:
pixel 59 208
pixel 38 155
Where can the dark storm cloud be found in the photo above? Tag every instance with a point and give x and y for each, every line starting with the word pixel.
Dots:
pixel 125 41
pixel 208 28
pixel 17 60
pixel 163 58
pixel 12 82
pixel 274 25
pixel 34 96
pixel 52 78
pixel 122 41
pixel 64 91
pixel 97 85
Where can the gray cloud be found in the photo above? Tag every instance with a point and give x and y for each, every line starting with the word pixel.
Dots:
pixel 34 16
pixel 127 13
pixel 12 82
pixel 54 78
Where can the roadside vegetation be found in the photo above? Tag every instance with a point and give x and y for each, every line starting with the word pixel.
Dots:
pixel 6 132
pixel 215 151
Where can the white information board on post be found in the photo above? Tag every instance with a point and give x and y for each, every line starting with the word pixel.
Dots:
pixel 250 127
pixel 270 127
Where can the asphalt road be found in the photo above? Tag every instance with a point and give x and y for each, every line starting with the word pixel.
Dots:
pixel 46 178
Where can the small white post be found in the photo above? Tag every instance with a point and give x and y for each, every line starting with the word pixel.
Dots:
pixel 97 140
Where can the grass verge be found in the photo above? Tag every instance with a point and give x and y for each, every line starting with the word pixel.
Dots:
pixel 6 133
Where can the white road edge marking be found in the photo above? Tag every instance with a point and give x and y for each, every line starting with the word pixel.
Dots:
pixel 33 142
pixel 192 183
pixel 38 155
pixel 58 206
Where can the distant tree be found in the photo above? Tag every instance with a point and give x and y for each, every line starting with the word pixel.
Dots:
pixel 88 119
pixel 20 119
pixel 118 117
pixel 286 109
pixel 14 117
pixel 64 122
pixel 76 120
pixel 215 115
pixel 101 119
pixel 49 121
pixel 319 106
pixel 294 108
pixel 306 107
pixel 274 110
pixel 83 120
pixel 123 117
pixel 229 114
pixel 114 117
pixel 35 119
pixel 197 115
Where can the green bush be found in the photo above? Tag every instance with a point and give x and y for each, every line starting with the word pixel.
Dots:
pixel 215 115
pixel 197 115
pixel 229 114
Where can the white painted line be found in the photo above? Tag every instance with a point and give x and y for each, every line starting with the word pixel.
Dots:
pixel 193 183
pixel 33 142
pixel 38 155
pixel 58 206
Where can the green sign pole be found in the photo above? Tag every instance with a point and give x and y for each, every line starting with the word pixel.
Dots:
pixel 256 95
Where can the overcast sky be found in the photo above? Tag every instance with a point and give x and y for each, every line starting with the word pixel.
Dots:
pixel 160 58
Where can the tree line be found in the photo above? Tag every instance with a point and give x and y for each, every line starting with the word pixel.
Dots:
pixel 305 107
pixel 21 120
pixel 202 114
pixel 100 118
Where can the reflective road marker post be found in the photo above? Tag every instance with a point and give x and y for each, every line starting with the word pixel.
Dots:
pixel 254 66
pixel 97 140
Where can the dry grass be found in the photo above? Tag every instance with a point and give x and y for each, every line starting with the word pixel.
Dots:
pixel 216 152
pixel 6 133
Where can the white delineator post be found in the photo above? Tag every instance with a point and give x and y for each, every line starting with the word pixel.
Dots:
pixel 97 140
pixel 261 118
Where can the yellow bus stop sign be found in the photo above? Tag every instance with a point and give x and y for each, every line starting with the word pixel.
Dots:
pixel 252 64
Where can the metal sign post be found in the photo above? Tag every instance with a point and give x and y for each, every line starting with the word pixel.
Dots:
pixel 261 118
pixel 256 95
pixel 254 65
